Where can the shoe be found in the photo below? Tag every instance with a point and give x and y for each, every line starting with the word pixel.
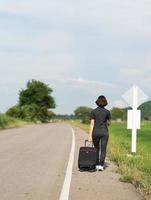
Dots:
pixel 100 168
pixel 97 167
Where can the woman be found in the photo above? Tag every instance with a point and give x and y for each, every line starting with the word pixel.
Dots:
pixel 100 119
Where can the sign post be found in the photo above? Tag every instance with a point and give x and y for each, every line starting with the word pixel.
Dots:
pixel 134 97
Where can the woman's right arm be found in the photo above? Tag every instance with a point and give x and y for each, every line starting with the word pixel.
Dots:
pixel 91 130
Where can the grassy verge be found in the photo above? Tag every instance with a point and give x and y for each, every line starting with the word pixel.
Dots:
pixel 9 122
pixel 134 169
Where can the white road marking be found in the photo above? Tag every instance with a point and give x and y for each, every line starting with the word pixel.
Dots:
pixel 67 181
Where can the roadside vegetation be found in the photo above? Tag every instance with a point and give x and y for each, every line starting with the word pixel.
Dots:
pixel 34 104
pixel 10 122
pixel 134 169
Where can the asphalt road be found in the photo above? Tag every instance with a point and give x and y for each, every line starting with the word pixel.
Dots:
pixel 33 162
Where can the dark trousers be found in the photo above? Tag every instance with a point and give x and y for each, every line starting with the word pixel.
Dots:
pixel 100 142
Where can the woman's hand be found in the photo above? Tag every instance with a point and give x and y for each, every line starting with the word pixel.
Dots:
pixel 108 122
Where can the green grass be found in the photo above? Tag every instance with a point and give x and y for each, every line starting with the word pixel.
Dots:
pixel 134 169
pixel 10 122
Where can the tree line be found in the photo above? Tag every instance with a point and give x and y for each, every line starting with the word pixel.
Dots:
pixel 117 114
pixel 36 102
pixel 83 113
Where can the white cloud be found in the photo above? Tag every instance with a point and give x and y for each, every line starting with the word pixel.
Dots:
pixel 138 75
pixel 41 56
pixel 119 103
pixel 133 75
pixel 55 54
pixel 129 17
pixel 25 67
pixel 90 86
pixel 48 41
pixel 33 8
pixel 74 92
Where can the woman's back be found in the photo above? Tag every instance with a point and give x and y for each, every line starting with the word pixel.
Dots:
pixel 101 117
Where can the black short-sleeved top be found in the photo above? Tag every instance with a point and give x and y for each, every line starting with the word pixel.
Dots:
pixel 100 116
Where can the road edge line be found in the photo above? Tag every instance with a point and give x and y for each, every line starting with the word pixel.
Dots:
pixel 67 181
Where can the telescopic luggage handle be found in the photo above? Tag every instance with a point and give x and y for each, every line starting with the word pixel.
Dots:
pixel 86 141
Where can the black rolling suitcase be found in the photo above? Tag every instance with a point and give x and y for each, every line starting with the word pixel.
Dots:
pixel 87 158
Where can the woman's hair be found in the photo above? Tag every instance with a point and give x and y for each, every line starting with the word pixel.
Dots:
pixel 101 101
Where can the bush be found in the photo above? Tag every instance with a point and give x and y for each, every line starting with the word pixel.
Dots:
pixel 5 120
pixel 83 113
pixel 30 113
pixel 14 111
pixel 117 113
pixel 26 112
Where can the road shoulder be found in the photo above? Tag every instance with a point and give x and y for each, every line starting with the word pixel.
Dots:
pixel 98 185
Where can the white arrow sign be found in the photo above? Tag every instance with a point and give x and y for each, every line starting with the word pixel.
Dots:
pixel 134 97
pixel 140 96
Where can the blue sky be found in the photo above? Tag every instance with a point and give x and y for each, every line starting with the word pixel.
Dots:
pixel 80 48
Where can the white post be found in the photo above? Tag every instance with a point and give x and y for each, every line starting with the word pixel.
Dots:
pixel 134 128
pixel 134 97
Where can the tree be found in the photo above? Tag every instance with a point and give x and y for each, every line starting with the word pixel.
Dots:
pixel 34 102
pixel 83 113
pixel 37 93
pixel 117 113
pixel 146 110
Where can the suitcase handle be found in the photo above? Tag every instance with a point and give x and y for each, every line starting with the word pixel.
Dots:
pixel 89 143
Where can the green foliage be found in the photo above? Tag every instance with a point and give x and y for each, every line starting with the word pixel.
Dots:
pixel 51 114
pixel 3 121
pixel 146 110
pixel 34 103
pixel 135 169
pixel 83 113
pixel 64 117
pixel 37 93
pixel 26 112
pixel 117 113
pixel 14 111
pixel 8 122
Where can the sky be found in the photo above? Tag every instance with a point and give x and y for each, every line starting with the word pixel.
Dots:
pixel 80 48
